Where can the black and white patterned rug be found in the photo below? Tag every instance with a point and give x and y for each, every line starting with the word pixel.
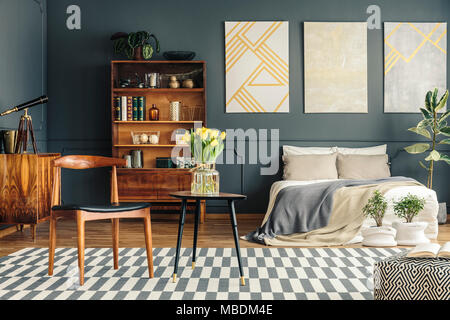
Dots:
pixel 271 273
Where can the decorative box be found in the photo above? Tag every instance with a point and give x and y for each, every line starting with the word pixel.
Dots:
pixel 165 162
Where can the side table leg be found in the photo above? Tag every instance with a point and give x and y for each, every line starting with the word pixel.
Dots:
pixel 194 247
pixel 33 232
pixel 203 212
pixel 180 235
pixel 236 239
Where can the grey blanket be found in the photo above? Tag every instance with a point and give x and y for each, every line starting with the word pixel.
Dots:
pixel 304 208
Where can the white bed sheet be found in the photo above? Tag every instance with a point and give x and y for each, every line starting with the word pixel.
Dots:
pixel 428 214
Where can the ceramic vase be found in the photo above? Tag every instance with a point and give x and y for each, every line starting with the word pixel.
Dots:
pixel 379 237
pixel 410 233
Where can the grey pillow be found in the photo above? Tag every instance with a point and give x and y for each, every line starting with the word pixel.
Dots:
pixel 357 166
pixel 310 167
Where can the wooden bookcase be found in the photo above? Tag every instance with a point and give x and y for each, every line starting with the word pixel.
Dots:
pixel 150 183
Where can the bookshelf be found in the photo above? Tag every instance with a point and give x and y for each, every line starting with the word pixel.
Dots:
pixel 150 183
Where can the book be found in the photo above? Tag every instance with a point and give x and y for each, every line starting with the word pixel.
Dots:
pixel 430 250
pixel 129 108
pixel 123 108
pixel 116 109
pixel 135 108
pixel 141 108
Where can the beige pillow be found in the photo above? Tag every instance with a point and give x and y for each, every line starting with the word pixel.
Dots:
pixel 310 167
pixel 367 151
pixel 357 166
pixel 297 151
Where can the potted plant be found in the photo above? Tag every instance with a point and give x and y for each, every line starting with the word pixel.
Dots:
pixel 431 126
pixel 409 233
pixel 379 236
pixel 135 44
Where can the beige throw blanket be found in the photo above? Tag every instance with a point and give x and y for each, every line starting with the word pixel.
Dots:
pixel 345 221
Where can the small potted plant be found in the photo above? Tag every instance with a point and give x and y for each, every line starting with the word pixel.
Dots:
pixel 135 44
pixel 410 233
pixel 379 236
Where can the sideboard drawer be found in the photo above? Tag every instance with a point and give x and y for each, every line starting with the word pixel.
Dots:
pixel 170 182
pixel 136 186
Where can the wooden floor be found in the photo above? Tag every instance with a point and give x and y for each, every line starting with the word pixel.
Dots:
pixel 216 232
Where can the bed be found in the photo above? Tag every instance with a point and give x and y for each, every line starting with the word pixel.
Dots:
pixel 302 209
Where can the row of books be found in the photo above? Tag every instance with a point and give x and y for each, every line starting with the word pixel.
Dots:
pixel 128 108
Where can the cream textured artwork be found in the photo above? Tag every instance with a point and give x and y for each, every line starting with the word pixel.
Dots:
pixel 415 62
pixel 335 67
pixel 257 66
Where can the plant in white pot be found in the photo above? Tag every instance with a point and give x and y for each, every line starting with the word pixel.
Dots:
pixel 379 236
pixel 410 233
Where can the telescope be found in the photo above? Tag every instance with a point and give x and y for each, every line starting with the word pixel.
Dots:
pixel 29 104
pixel 25 124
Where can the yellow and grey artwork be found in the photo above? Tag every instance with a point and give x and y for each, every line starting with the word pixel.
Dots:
pixel 257 66
pixel 415 61
pixel 335 67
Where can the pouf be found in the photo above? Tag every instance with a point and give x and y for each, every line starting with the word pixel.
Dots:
pixel 402 278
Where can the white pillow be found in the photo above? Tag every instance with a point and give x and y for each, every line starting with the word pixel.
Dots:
pixel 371 151
pixel 298 151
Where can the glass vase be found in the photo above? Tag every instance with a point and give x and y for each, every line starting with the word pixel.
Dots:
pixel 205 179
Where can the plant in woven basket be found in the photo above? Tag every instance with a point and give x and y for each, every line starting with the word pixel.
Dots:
pixel 431 127
pixel 376 208
pixel 130 44
pixel 408 207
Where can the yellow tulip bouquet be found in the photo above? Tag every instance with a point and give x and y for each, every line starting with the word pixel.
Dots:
pixel 206 145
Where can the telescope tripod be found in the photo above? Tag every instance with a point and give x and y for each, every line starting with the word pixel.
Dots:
pixel 25 126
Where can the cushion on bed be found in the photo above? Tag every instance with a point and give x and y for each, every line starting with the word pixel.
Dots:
pixel 357 166
pixel 293 150
pixel 367 151
pixel 310 167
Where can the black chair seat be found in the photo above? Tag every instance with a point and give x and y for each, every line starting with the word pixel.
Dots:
pixel 126 206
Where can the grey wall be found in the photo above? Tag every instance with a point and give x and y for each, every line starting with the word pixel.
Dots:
pixel 23 62
pixel 78 85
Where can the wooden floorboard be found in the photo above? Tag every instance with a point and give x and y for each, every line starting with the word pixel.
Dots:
pixel 216 232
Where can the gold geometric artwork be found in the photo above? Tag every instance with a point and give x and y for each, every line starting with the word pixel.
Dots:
pixel 415 61
pixel 257 66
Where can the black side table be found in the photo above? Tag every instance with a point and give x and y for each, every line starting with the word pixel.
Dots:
pixel 187 195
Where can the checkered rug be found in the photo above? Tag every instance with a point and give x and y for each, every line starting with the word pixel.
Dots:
pixel 271 273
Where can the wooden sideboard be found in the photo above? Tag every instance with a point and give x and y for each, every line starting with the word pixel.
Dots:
pixel 25 188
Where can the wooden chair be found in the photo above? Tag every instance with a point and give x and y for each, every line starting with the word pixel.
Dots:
pixel 83 213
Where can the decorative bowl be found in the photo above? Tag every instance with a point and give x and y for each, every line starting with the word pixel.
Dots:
pixel 179 55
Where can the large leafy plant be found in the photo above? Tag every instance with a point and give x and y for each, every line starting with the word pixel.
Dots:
pixel 431 127
pixel 125 43
pixel 376 208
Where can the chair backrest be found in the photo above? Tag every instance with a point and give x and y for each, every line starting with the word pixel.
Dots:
pixel 85 162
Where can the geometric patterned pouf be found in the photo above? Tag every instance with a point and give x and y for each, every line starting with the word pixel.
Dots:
pixel 402 278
